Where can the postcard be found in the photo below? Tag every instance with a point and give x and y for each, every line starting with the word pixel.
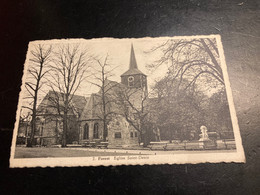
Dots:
pixel 132 101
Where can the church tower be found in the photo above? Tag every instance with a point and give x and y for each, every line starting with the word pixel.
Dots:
pixel 133 77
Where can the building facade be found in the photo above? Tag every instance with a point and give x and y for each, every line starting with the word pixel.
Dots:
pixel 118 131
pixel 49 122
pixel 85 117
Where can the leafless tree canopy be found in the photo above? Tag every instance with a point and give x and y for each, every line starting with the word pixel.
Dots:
pixel 37 70
pixel 68 70
pixel 101 72
pixel 133 107
pixel 195 60
pixel 41 57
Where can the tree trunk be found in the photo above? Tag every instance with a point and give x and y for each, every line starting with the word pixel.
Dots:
pixel 65 127
pixel 104 105
pixel 104 130
pixel 33 125
pixel 143 134
pixel 78 126
pixel 145 139
pixel 30 143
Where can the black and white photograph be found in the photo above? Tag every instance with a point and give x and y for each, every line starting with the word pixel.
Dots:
pixel 108 101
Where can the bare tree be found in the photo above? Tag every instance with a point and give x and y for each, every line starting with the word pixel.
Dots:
pixel 41 56
pixel 68 71
pixel 101 74
pixel 195 60
pixel 133 107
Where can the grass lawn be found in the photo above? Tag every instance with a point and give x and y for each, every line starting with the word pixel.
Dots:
pixel 22 152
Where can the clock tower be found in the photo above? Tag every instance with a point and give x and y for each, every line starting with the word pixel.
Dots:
pixel 133 77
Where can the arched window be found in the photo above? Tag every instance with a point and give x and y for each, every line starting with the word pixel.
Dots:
pixel 131 81
pixel 95 132
pixel 86 131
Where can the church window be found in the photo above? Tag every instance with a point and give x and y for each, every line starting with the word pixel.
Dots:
pixel 135 134
pixel 95 133
pixel 86 131
pixel 131 81
pixel 131 134
pixel 118 135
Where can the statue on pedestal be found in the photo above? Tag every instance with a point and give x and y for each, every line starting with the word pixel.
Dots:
pixel 204 134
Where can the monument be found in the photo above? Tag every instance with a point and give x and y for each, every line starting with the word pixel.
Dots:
pixel 204 134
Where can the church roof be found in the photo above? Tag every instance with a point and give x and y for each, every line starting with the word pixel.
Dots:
pixel 47 106
pixel 92 110
pixel 79 102
pixel 133 69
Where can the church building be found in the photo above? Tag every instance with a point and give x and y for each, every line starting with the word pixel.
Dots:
pixel 119 132
pixel 85 121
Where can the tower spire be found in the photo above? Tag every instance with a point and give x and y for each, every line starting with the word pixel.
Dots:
pixel 133 69
pixel 133 77
pixel 132 64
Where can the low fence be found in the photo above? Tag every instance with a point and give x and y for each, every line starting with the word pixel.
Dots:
pixel 225 144
pixel 194 145
pixel 94 144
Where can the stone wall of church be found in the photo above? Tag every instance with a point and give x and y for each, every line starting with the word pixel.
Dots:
pixel 121 134
pixel 51 130
pixel 46 129
pixel 136 98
